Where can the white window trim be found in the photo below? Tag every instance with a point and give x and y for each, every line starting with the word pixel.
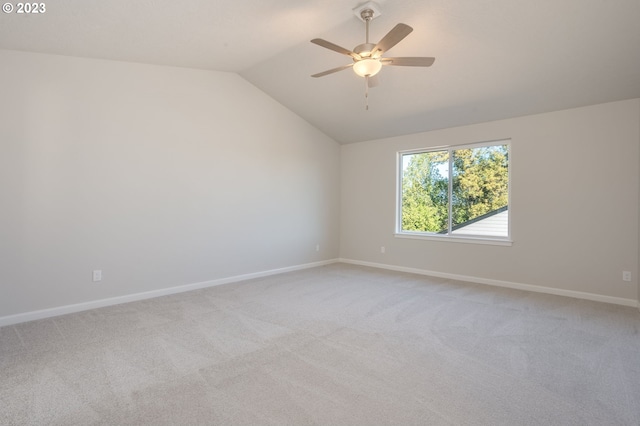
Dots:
pixel 497 241
pixel 489 240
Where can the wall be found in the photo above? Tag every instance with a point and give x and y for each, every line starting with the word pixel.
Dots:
pixel 158 176
pixel 574 204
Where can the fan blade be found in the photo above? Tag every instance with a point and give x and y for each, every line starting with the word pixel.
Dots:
pixel 408 62
pixel 331 71
pixel 392 38
pixel 328 45
pixel 373 81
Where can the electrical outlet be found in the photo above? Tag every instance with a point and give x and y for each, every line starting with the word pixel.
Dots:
pixel 97 275
pixel 626 275
pixel 317 247
pixel 383 250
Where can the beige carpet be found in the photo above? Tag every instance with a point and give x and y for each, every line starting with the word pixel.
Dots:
pixel 335 345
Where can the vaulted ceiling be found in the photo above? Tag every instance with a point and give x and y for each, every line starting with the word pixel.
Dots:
pixel 494 58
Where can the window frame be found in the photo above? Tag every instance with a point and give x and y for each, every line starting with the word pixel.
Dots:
pixel 460 238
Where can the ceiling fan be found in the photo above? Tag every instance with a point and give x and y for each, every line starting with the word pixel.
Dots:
pixel 367 57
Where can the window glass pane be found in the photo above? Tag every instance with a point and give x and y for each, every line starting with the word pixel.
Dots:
pixel 480 191
pixel 425 191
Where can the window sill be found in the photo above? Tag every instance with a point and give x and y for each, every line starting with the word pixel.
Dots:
pixel 456 239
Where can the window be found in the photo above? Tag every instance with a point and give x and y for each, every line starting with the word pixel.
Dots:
pixel 459 193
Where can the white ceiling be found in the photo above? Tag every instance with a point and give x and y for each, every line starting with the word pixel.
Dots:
pixel 494 58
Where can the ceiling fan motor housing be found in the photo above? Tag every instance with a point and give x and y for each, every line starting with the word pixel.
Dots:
pixel 364 49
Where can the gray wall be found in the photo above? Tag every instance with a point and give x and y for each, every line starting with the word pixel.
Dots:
pixel 159 176
pixel 574 202
pixel 163 177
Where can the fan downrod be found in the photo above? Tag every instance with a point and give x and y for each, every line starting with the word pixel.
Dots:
pixel 367 16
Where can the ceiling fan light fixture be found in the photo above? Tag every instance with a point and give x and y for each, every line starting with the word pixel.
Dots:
pixel 367 67
pixel 368 57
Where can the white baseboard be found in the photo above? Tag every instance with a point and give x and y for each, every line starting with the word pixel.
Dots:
pixel 498 283
pixel 94 304
pixel 69 309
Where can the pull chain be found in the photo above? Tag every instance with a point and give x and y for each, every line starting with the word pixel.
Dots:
pixel 366 93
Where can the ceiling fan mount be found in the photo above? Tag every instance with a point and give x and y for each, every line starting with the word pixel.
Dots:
pixel 373 9
pixel 367 57
pixel 367 14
